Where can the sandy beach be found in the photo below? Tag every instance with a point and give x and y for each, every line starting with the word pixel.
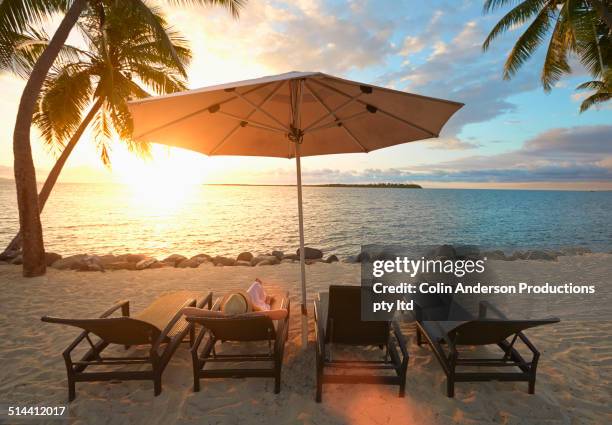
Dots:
pixel 574 378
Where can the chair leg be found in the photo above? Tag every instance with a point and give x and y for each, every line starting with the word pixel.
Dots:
pixel 532 381
pixel 157 384
pixel 277 383
pixel 450 386
pixel 71 389
pixel 419 337
pixel 402 387
pixel 319 393
pixel 196 383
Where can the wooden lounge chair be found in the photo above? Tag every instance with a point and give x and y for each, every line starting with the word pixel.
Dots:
pixel 254 326
pixel 445 338
pixel 338 321
pixel 161 326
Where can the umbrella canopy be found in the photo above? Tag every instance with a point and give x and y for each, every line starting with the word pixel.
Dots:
pixel 289 116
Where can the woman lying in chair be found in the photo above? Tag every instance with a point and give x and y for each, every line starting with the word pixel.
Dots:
pixel 241 317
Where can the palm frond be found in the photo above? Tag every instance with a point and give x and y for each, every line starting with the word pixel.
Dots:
pixel 517 16
pixel 527 43
pixel 63 98
pixel 562 41
pixel 595 99
pixel 17 15
pixel 103 134
pixel 152 18
pixel 19 52
pixel 234 6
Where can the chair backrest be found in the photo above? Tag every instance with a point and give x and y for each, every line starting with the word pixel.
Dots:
pixel 344 324
pixel 114 330
pixel 236 328
pixel 492 331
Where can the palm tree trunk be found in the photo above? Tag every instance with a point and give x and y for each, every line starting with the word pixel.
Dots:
pixel 43 196
pixel 25 175
pixel 604 13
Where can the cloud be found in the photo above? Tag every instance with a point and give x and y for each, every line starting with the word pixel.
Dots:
pixel 452 143
pixel 563 155
pixel 457 69
pixel 306 35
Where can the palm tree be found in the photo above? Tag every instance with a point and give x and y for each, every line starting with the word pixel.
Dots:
pixel 602 91
pixel 119 47
pixel 15 17
pixel 572 27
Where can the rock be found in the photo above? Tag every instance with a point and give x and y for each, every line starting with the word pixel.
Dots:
pixel 52 257
pixel 287 260
pixel 244 256
pixel 495 255
pixel 311 262
pixel 174 259
pixel 207 264
pixel 9 255
pixel 145 263
pixel 294 257
pixel 446 251
pixel 351 259
pixel 362 257
pixel 541 255
pixel 278 254
pixel 188 263
pixel 271 259
pixel 17 260
pixel 266 262
pixel 518 255
pixel 243 263
pixel 331 259
pixel 311 253
pixel 223 261
pixel 135 258
pixel 105 260
pixel 200 258
pixel 575 250
pixel 88 264
pixel 158 265
pixel 120 265
pixel 69 262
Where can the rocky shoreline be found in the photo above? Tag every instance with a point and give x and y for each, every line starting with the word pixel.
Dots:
pixel 102 263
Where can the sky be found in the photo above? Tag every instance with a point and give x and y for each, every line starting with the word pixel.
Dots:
pixel 510 134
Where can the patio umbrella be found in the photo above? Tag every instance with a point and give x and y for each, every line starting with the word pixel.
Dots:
pixel 290 115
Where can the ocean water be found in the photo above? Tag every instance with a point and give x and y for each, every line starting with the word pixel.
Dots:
pixel 225 220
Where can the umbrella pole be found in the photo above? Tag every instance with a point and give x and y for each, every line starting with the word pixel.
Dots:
pixel 304 310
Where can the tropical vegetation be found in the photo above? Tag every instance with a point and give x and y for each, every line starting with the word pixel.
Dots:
pixel 16 17
pixel 569 28
pixel 120 60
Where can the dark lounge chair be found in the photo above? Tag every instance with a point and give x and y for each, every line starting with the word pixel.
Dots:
pixel 161 326
pixel 338 321
pixel 247 327
pixel 445 338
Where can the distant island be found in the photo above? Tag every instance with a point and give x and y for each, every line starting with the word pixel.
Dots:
pixel 373 185
pixel 364 185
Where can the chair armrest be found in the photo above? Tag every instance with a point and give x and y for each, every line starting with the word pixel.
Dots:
pixel 282 331
pixel 164 333
pixel 206 301
pixel 319 328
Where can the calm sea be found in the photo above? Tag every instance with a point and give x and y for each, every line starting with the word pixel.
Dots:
pixel 225 220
